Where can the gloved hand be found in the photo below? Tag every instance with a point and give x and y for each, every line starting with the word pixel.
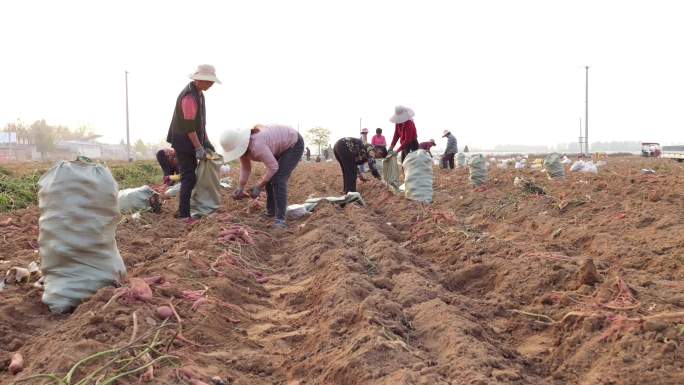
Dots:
pixel 255 191
pixel 239 194
pixel 200 153
pixel 390 153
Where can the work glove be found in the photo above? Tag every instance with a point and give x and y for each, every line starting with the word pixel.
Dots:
pixel 200 153
pixel 255 191
pixel 239 194
pixel 390 154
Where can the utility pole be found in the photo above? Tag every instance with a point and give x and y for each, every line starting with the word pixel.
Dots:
pixel 581 138
pixel 128 134
pixel 586 111
pixel 359 124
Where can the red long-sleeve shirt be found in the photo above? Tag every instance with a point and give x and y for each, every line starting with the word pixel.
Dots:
pixel 405 133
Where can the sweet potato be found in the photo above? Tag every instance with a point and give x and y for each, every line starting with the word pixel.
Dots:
pixel 16 364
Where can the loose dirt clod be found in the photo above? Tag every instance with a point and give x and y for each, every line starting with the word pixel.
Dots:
pixel 587 274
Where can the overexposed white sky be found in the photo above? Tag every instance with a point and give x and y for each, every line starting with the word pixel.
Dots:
pixel 491 71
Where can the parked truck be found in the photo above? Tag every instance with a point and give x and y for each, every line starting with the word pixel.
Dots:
pixel 673 152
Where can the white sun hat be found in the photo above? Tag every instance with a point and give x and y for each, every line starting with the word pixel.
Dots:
pixel 205 72
pixel 445 133
pixel 401 114
pixel 234 143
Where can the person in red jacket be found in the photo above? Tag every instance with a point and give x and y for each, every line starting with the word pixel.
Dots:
pixel 404 131
pixel 427 146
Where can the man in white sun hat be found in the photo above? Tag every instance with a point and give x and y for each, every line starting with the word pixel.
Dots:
pixel 404 132
pixel 280 148
pixel 450 151
pixel 188 135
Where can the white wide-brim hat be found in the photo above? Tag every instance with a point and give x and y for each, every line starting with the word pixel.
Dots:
pixel 445 133
pixel 234 143
pixel 401 114
pixel 205 72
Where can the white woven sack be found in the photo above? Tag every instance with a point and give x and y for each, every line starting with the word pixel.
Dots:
pixel 390 172
pixel 134 199
pixel 418 176
pixel 553 166
pixel 478 169
pixel 461 159
pixel 77 226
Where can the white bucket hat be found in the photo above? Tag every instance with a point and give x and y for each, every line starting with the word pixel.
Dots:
pixel 445 133
pixel 234 143
pixel 205 72
pixel 401 114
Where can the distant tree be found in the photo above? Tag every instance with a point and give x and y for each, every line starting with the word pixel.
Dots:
pixel 43 137
pixel 319 136
pixel 465 149
pixel 122 143
pixel 140 147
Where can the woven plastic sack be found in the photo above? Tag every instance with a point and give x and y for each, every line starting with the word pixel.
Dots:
pixel 461 159
pixel 135 199
pixel 77 226
pixel 206 196
pixel 553 166
pixel 418 173
pixel 390 172
pixel 378 165
pixel 173 190
pixel 478 169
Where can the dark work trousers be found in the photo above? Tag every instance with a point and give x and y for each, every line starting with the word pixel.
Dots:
pixel 448 161
pixel 276 188
pixel 187 164
pixel 348 164
pixel 165 165
pixel 413 146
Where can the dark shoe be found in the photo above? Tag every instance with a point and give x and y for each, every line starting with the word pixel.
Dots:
pixel 279 224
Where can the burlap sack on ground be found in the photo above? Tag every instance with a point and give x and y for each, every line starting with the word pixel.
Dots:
pixel 390 172
pixel 553 166
pixel 135 199
pixel 206 196
pixel 77 226
pixel 418 173
pixel 478 169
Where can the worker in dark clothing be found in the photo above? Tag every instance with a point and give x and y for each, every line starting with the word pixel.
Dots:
pixel 351 152
pixel 308 154
pixel 168 163
pixel 187 133
pixel 450 151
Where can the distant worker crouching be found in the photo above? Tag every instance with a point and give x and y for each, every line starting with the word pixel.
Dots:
pixel 380 143
pixel 166 158
pixel 427 146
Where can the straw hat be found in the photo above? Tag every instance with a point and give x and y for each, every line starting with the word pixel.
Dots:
pixel 234 143
pixel 401 114
pixel 445 133
pixel 205 72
